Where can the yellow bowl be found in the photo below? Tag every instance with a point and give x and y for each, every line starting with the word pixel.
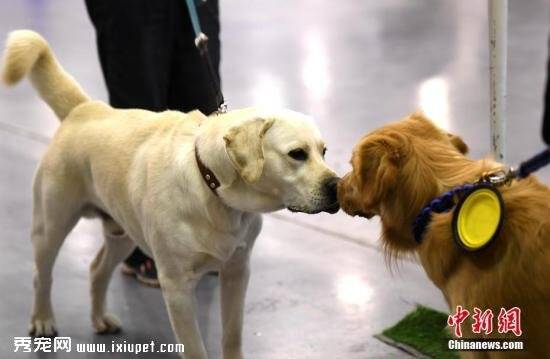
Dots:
pixel 478 217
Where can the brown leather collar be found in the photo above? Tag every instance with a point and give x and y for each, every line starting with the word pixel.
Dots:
pixel 207 175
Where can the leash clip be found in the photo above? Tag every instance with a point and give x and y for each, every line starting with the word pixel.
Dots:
pixel 498 177
pixel 221 109
pixel 200 42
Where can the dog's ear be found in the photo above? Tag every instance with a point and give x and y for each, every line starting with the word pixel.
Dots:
pixel 380 157
pixel 459 144
pixel 243 145
pixel 456 141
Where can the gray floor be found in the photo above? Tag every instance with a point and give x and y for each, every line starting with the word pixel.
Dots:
pixel 319 286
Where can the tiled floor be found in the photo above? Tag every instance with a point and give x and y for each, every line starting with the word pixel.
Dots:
pixel 319 287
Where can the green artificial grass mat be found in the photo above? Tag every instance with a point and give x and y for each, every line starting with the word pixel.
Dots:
pixel 422 333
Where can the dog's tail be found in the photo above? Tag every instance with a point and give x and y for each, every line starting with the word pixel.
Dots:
pixel 27 53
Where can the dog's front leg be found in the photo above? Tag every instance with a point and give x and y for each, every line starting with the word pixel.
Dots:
pixel 179 295
pixel 234 277
pixel 178 289
pixel 233 282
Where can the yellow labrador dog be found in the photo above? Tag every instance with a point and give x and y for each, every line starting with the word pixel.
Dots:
pixel 186 188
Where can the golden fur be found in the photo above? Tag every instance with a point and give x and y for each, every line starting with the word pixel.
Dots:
pixel 399 168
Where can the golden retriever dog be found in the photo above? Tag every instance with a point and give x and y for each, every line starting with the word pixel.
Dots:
pixel 188 189
pixel 400 168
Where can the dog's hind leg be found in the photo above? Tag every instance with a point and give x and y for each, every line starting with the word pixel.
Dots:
pixel 55 212
pixel 116 248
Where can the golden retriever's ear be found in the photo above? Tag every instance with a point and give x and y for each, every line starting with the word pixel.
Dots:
pixel 381 156
pixel 456 141
pixel 459 144
pixel 243 145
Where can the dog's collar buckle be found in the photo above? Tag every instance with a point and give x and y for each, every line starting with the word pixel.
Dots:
pixel 207 174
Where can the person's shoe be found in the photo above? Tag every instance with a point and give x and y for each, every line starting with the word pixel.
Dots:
pixel 145 272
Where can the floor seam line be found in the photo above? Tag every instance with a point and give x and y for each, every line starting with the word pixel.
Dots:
pixel 339 236
pixel 23 132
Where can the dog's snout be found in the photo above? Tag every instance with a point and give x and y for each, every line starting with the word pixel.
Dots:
pixel 340 187
pixel 331 188
pixel 331 191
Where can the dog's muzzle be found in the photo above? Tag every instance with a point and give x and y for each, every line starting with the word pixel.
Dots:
pixel 330 202
pixel 331 190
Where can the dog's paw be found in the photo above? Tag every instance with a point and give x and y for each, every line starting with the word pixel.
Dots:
pixel 106 324
pixel 42 328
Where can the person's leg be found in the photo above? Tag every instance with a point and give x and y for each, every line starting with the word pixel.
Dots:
pixel 546 113
pixel 134 45
pixel 135 42
pixel 190 84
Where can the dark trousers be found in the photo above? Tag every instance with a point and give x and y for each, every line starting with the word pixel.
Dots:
pixel 148 55
pixel 149 59
pixel 546 113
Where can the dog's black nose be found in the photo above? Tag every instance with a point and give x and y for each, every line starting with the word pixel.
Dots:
pixel 331 188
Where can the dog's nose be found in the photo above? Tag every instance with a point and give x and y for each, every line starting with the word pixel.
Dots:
pixel 331 187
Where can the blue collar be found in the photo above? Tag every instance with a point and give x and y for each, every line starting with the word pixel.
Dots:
pixel 441 204
pixel 448 200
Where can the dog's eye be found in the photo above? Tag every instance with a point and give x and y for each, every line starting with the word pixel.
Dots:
pixel 298 154
pixel 324 151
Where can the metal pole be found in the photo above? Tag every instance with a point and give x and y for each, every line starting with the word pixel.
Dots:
pixel 498 42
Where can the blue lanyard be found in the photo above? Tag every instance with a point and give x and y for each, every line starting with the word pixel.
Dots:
pixel 446 201
pixel 201 41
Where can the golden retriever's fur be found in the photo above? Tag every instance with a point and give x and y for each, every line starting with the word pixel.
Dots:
pixel 399 168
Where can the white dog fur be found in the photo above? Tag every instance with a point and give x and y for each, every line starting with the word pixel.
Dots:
pixel 137 171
